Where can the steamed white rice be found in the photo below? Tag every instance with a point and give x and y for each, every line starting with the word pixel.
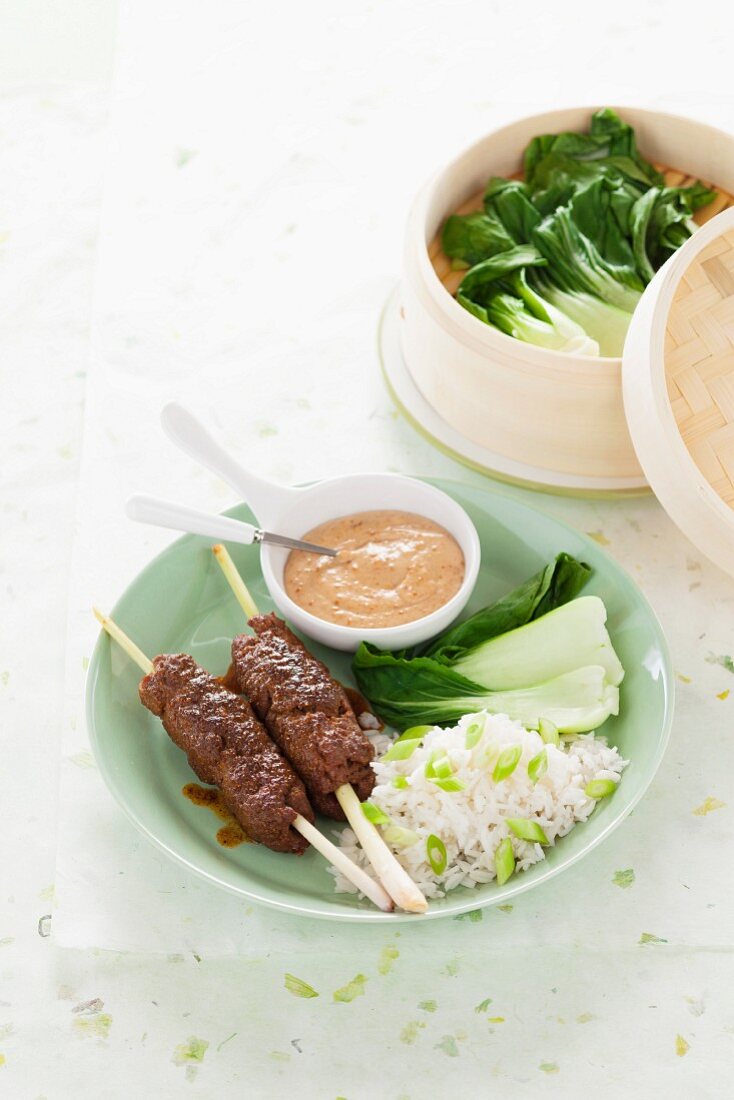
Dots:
pixel 471 822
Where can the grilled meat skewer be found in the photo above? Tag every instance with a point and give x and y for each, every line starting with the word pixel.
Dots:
pixel 227 746
pixel 305 710
pixel 292 684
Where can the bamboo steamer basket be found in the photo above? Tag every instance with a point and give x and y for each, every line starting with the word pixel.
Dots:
pixel 678 377
pixel 559 417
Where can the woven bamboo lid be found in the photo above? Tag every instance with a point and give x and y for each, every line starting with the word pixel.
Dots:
pixel 678 376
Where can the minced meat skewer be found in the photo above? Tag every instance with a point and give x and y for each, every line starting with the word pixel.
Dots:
pixel 226 745
pixel 306 711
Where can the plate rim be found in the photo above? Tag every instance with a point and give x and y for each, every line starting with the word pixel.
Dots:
pixel 373 915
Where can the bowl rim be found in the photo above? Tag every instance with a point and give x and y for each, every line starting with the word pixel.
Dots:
pixel 470 329
pixel 385 636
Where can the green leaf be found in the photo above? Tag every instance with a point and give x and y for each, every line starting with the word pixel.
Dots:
pixel 553 586
pixel 400 781
pixel 352 989
pixel 608 138
pixel 661 220
pixel 508 202
pixel 298 987
pixel 575 263
pixel 498 267
pixel 471 238
pixel 525 829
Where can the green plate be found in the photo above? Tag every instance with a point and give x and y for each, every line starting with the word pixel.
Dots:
pixel 181 602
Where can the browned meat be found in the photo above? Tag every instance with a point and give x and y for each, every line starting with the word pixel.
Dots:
pixel 227 746
pixel 306 711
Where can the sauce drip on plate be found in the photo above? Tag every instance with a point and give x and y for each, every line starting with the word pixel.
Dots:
pixel 392 568
pixel 231 834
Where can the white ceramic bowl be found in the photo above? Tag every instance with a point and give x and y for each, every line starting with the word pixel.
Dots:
pixel 296 511
pixel 546 410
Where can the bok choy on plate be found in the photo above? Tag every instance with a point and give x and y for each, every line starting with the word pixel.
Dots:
pixel 540 655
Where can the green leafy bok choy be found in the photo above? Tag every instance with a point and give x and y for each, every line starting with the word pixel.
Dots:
pixel 600 222
pixel 538 655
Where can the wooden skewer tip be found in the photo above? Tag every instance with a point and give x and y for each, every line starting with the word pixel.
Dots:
pixel 235 581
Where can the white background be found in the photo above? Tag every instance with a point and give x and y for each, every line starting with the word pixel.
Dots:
pixel 256 165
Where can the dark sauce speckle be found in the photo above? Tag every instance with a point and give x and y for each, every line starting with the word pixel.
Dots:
pixel 231 834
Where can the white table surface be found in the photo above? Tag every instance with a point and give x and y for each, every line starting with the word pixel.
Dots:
pixel 259 163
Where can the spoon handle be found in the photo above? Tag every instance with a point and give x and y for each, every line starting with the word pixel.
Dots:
pixel 165 513
pixel 188 433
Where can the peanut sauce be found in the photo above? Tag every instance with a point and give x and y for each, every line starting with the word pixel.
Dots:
pixel 231 834
pixel 392 568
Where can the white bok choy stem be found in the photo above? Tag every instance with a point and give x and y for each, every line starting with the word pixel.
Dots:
pixel 393 876
pixel 329 851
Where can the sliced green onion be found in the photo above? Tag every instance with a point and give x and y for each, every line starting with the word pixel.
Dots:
pixel 527 830
pixel 600 788
pixel 538 766
pixel 375 814
pixel 401 782
pixel 399 837
pixel 442 767
pixel 439 765
pixel 449 784
pixel 436 854
pixel 549 732
pixel 401 750
pixel 507 762
pixel 415 733
pixel 504 861
pixel 473 733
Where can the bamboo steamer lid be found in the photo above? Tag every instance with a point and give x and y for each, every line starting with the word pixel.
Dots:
pixel 678 382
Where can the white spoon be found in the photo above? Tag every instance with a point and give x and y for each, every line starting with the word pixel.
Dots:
pixel 166 513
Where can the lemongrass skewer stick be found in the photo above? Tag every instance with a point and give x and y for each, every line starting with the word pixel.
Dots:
pixel 238 586
pixel 393 876
pixel 329 851
pixel 126 644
